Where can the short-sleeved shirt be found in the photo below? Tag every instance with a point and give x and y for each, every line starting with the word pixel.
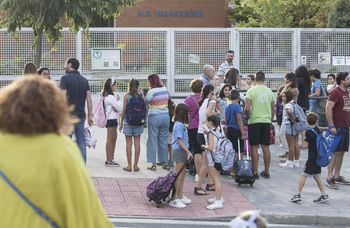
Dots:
pixel 288 106
pixel 225 67
pixel 223 103
pixel 316 84
pixel 192 102
pixel 231 115
pixel 261 97
pixel 303 98
pixel 158 101
pixel 311 167
pixel 76 86
pixel 341 109
pixel 205 79
pixel 179 131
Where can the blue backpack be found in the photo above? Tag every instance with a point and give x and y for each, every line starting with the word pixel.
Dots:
pixel 135 111
pixel 324 153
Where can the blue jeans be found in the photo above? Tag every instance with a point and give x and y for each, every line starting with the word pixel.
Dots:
pixel 79 134
pixel 314 107
pixel 158 131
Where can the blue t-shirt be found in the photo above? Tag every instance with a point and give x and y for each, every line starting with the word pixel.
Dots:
pixel 230 112
pixel 179 131
pixel 318 84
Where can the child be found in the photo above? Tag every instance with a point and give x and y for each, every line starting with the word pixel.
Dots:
pixel 213 122
pixel 180 153
pixel 279 112
pixel 234 121
pixel 291 134
pixel 249 81
pixel 311 168
pixel 332 83
pixel 224 100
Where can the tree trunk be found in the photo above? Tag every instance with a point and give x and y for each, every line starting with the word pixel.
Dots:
pixel 38 49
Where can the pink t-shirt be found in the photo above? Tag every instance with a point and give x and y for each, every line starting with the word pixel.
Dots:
pixel 341 109
pixel 192 102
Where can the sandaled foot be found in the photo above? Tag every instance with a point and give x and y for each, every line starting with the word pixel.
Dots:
pixel 166 167
pixel 153 168
pixel 128 169
pixel 200 191
pixel 136 169
pixel 210 187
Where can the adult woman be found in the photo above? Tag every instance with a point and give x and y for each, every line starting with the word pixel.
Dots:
pixel 44 72
pixel 291 85
pixel 192 101
pixel 316 90
pixel 41 161
pixel 113 106
pixel 158 121
pixel 232 77
pixel 208 104
pixel 131 131
pixel 29 69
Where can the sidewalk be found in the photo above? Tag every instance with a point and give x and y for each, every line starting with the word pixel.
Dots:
pixel 124 193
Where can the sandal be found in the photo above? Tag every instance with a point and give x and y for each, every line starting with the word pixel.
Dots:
pixel 128 169
pixel 136 169
pixel 210 187
pixel 153 168
pixel 200 191
pixel 166 167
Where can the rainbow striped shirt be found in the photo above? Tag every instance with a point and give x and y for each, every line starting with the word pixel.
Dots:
pixel 158 101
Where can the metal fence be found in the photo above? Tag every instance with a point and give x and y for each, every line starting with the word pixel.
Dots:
pixel 179 54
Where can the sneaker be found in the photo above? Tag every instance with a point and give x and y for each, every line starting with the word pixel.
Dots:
pixel 185 200
pixel 160 163
pixel 331 183
pixel 283 160
pixel 111 163
pixel 196 178
pixel 216 205
pixel 321 199
pixel 283 155
pixel 176 203
pixel 214 199
pixel 341 180
pixel 171 163
pixel 265 175
pixel 296 164
pixel 281 145
pixel 259 151
pixel 232 176
pixel 256 176
pixel 296 198
pixel 287 164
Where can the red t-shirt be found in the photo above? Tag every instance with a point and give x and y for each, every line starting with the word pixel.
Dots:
pixel 341 109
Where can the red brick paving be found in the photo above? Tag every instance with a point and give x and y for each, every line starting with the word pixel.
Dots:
pixel 127 197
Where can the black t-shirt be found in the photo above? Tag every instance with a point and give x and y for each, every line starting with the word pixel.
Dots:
pixel 303 98
pixel 76 86
pixel 311 167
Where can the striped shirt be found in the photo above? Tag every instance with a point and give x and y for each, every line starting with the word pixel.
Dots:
pixel 158 101
pixel 225 67
pixel 205 79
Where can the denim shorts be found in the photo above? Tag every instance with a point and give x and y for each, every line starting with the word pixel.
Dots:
pixel 290 130
pixel 113 123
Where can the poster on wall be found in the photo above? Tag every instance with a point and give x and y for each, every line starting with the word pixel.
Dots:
pixel 106 59
pixel 347 60
pixel 324 58
pixel 338 60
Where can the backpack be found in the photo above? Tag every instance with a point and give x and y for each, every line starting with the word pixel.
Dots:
pixel 135 113
pixel 300 123
pixel 324 153
pixel 100 114
pixel 90 139
pixel 224 152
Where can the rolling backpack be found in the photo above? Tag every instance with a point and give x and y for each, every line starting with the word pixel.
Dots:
pixel 136 111
pixel 100 114
pixel 244 168
pixel 300 124
pixel 324 153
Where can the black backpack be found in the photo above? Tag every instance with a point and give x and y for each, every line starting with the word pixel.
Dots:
pixel 136 111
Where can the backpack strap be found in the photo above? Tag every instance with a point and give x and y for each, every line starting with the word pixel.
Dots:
pixel 313 130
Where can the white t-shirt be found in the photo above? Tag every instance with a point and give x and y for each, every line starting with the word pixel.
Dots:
pixel 111 102
pixel 203 116
pixel 291 106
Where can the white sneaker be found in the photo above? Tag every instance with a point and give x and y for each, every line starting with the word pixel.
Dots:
pixel 196 178
pixel 185 200
pixel 259 151
pixel 176 203
pixel 214 199
pixel 287 164
pixel 296 163
pixel 216 205
pixel 281 145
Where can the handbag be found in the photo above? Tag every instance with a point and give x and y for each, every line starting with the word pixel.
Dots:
pixel 35 208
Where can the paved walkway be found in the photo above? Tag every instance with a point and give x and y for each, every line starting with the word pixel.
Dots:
pixel 123 193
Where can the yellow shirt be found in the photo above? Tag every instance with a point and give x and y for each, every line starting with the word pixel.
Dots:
pixel 49 170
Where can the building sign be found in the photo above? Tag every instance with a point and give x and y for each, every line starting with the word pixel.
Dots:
pixel 170 13
pixel 106 59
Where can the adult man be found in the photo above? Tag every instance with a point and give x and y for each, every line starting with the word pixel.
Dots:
pixel 228 64
pixel 76 88
pixel 208 74
pixel 260 109
pixel 338 117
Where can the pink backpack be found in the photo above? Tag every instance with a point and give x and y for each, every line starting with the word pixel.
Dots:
pixel 100 114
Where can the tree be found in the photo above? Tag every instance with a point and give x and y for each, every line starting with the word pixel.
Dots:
pixel 280 13
pixel 340 17
pixel 45 17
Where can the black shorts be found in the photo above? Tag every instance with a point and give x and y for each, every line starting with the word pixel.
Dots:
pixel 279 120
pixel 259 133
pixel 233 135
pixel 344 141
pixel 113 123
pixel 311 167
pixel 192 138
pixel 201 140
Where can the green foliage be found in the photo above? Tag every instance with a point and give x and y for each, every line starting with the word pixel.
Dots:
pixel 340 17
pixel 280 13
